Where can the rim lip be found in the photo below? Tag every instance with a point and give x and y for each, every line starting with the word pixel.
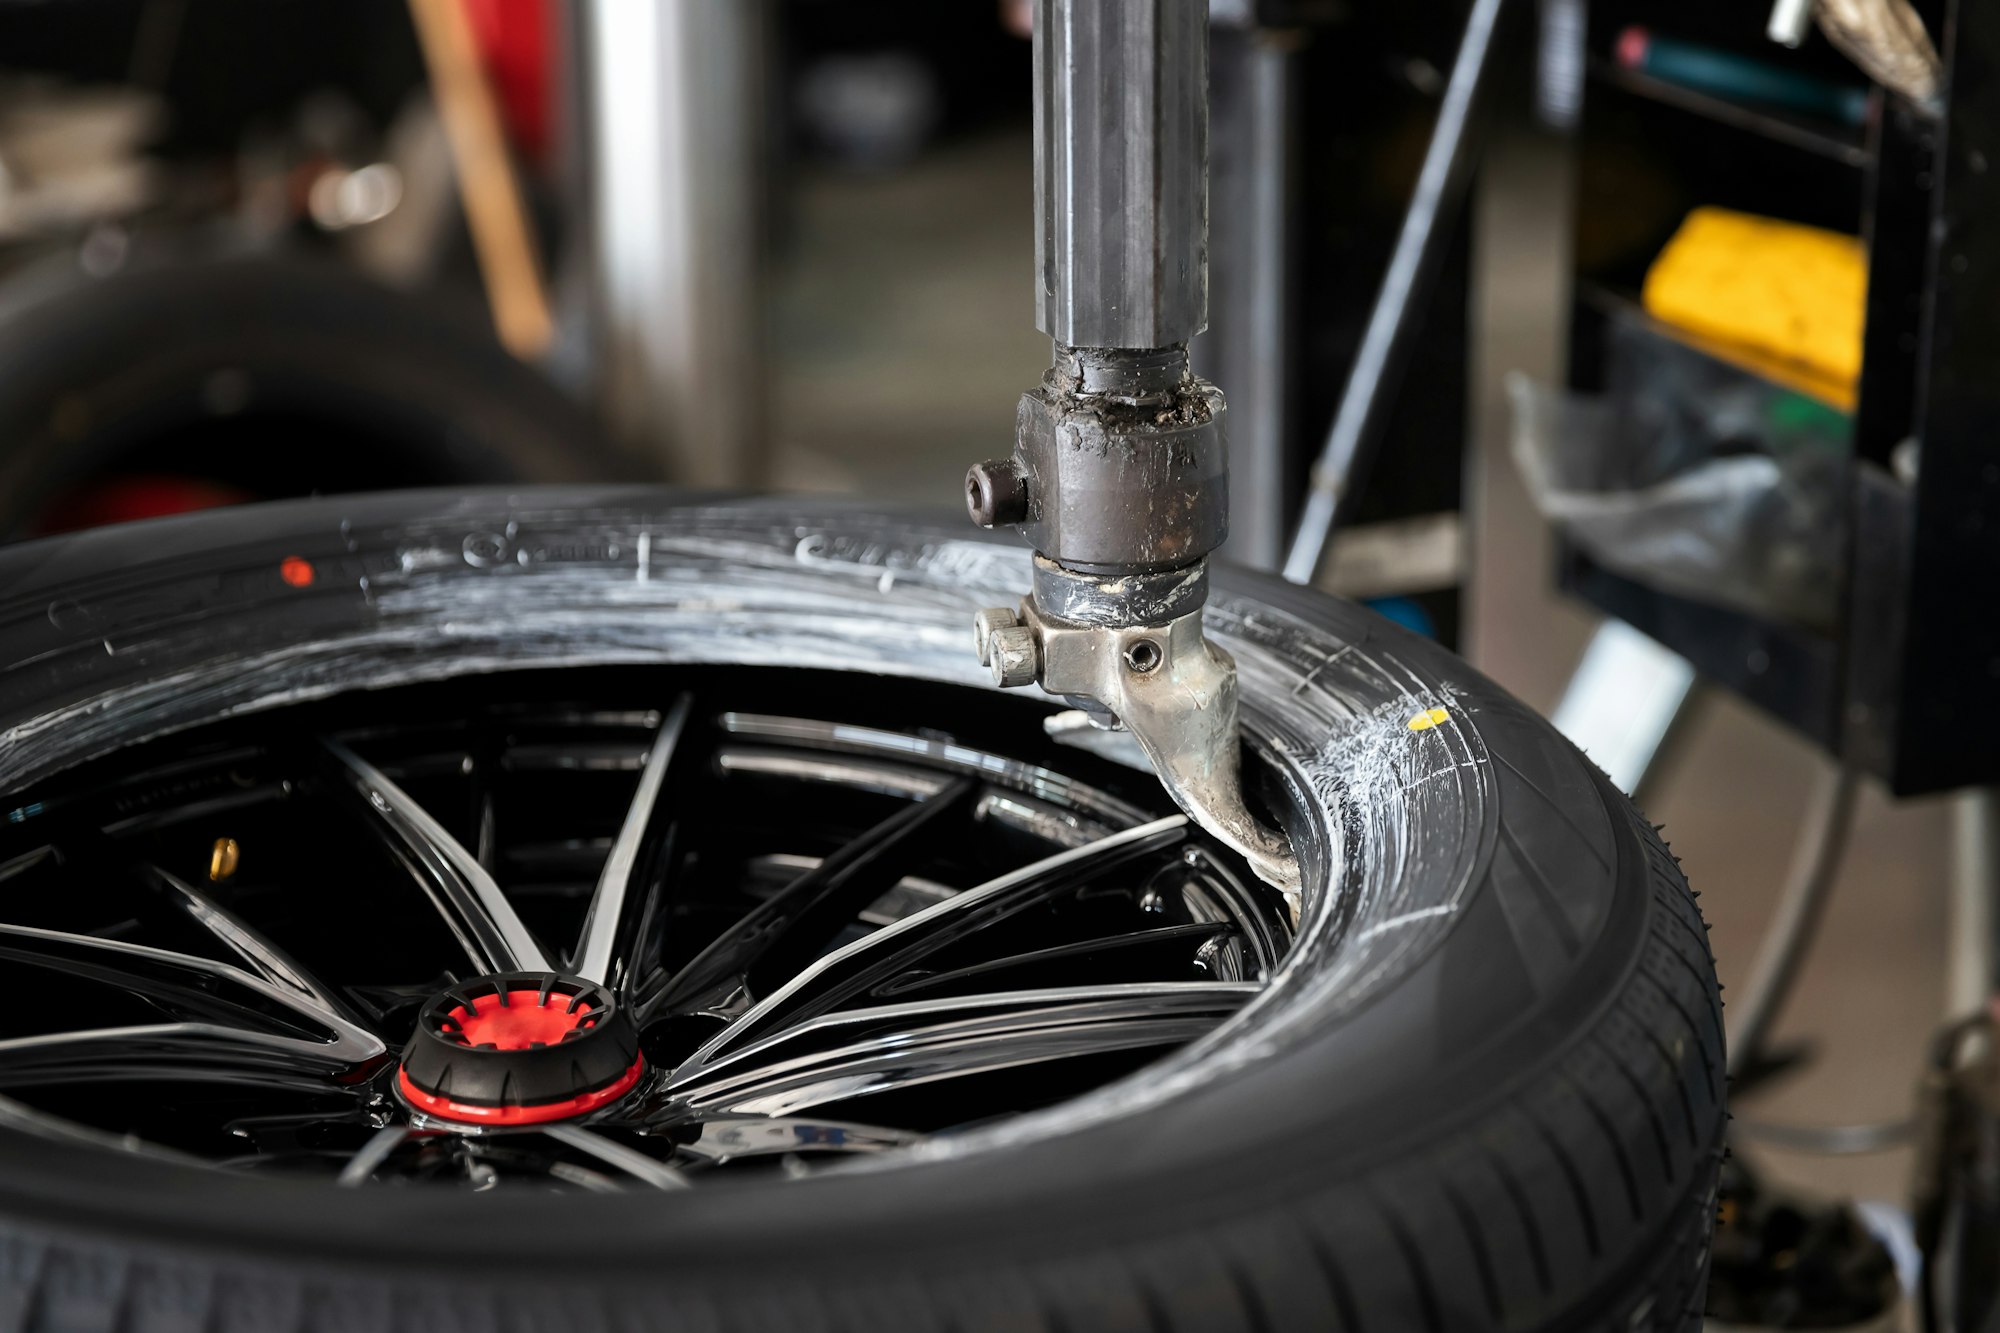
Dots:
pixel 1351 826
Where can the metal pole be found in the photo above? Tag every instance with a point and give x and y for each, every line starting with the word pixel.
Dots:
pixel 1970 974
pixel 1371 381
pixel 1121 171
pixel 672 106
pixel 1248 344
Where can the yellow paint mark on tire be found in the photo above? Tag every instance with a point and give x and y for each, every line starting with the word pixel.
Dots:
pixel 1430 718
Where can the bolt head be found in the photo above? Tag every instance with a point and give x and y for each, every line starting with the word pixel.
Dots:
pixel 996 494
pixel 983 625
pixel 1013 656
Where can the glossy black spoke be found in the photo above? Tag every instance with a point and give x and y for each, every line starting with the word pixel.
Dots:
pixel 21 1118
pixel 606 947
pixel 480 768
pixel 373 1155
pixel 781 935
pixel 720 1139
pixel 194 990
pixel 862 1052
pixel 283 1129
pixel 257 951
pixel 610 1152
pixel 190 1052
pixel 894 950
pixel 1168 950
pixel 464 893
pixel 1214 892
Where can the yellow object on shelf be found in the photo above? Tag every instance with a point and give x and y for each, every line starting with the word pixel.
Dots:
pixel 1788 300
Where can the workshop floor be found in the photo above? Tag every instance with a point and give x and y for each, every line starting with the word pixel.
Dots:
pixel 903 334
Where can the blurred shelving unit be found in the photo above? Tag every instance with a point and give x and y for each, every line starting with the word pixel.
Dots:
pixel 1894 684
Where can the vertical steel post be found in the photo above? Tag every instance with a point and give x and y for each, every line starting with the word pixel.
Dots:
pixel 672 115
pixel 1121 171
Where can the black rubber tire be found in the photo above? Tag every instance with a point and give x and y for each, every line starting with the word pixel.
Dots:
pixel 1506 1114
pixel 276 375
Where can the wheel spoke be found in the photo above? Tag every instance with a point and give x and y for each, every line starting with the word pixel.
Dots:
pixel 727 1138
pixel 179 1052
pixel 1162 946
pixel 859 1052
pixel 894 949
pixel 786 931
pixel 182 983
pixel 25 1119
pixel 485 836
pixel 465 894
pixel 611 924
pixel 372 1155
pixel 613 1153
pixel 266 959
pixel 936 753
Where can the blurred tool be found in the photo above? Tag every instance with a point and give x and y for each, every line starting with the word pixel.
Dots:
pixel 1888 41
pixel 494 211
pixel 1711 70
pixel 1118 475
pixel 1886 38
pixel 1789 22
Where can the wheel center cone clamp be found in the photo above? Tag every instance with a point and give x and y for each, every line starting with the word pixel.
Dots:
pixel 519 1049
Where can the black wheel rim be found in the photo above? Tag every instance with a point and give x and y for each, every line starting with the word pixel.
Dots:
pixel 913 934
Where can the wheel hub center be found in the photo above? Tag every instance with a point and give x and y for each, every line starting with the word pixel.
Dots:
pixel 519 1049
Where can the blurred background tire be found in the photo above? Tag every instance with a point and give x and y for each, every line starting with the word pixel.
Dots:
pixel 163 389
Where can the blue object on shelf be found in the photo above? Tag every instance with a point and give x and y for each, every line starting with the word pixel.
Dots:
pixel 1405 611
pixel 1740 78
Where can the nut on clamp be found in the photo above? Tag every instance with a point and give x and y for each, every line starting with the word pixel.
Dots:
pixel 1118 479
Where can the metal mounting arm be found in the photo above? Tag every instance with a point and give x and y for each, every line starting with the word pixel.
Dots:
pixel 1119 475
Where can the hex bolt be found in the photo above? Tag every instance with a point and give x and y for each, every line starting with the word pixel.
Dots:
pixel 1143 655
pixel 983 625
pixel 1012 654
pixel 996 494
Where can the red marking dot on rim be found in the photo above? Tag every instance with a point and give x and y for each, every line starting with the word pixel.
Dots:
pixel 296 571
pixel 525 1018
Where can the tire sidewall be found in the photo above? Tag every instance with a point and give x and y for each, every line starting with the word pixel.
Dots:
pixel 129 632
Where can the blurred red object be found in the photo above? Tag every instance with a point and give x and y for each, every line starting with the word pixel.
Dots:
pixel 128 499
pixel 517 42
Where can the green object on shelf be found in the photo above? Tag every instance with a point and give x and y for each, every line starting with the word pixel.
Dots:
pixel 1797 412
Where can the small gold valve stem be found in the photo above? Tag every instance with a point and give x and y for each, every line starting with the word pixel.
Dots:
pixel 222 859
